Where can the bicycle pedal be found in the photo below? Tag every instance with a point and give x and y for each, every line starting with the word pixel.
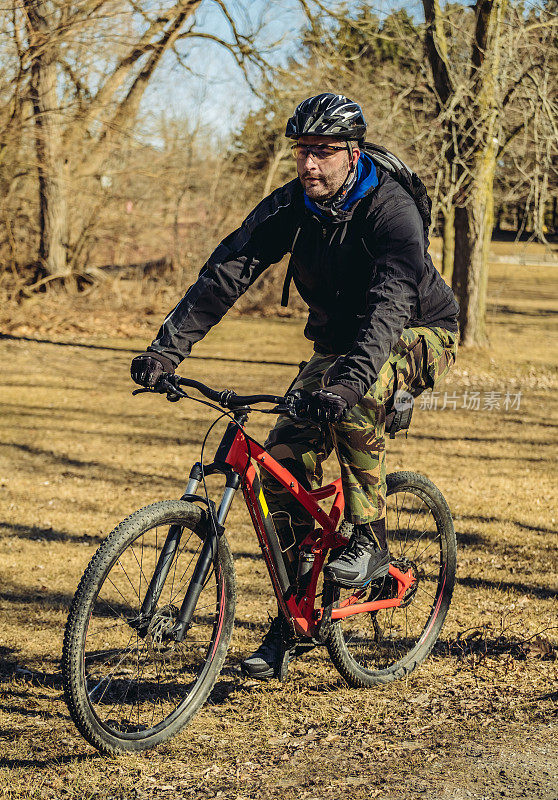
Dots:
pixel 282 667
pixel 330 596
pixel 324 625
pixel 305 646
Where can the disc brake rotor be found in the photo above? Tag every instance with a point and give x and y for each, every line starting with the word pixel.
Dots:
pixel 159 639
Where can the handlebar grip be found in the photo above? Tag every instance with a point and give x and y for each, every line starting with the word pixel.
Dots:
pixel 237 400
pixel 207 391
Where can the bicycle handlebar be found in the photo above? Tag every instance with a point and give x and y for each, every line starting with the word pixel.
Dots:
pixel 227 397
pixel 170 384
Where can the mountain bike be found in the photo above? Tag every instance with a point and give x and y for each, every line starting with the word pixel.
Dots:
pixel 150 623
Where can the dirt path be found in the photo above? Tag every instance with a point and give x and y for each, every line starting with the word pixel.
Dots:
pixel 478 720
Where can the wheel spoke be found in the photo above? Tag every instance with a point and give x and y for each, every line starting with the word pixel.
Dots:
pixel 126 602
pixel 107 677
pixel 420 535
pixel 137 678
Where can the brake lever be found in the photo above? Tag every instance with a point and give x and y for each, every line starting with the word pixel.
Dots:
pixel 165 385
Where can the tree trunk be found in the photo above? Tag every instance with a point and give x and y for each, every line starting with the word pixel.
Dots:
pixel 473 233
pixel 53 242
pixel 539 213
pixel 473 126
pixel 448 243
pixel 273 166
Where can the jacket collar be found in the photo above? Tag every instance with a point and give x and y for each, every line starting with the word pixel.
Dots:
pixel 342 210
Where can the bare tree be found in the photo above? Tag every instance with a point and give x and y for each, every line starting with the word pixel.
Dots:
pixel 89 64
pixel 473 100
pixel 492 75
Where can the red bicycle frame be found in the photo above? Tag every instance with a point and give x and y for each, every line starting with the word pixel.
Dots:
pixel 301 607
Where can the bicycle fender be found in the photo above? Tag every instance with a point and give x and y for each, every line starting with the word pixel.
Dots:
pixel 196 498
pixel 210 507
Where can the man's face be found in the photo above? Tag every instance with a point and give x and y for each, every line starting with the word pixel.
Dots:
pixel 323 174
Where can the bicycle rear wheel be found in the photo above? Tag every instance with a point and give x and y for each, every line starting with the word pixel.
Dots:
pixel 128 684
pixel 385 645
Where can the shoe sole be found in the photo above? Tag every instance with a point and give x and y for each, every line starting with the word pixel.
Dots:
pixel 380 572
pixel 258 676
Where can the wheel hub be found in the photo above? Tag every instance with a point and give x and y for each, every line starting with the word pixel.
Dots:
pixel 159 638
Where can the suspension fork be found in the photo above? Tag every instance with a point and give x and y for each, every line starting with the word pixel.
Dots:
pixel 166 558
pixel 210 545
pixel 211 540
pixel 205 559
pixel 160 575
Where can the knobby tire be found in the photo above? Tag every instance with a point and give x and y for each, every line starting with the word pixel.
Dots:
pixel 386 645
pixel 130 689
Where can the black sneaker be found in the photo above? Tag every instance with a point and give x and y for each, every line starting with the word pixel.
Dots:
pixel 360 562
pixel 271 658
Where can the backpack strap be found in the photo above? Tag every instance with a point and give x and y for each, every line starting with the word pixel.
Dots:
pixel 287 284
pixel 289 274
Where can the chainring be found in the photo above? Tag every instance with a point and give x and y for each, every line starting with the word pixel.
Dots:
pixel 404 565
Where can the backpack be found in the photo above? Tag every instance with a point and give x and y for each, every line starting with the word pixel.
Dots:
pixel 405 177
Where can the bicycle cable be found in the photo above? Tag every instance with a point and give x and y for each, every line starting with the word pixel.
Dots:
pixel 181 393
pixel 212 511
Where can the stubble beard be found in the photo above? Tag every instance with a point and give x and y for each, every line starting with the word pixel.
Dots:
pixel 326 185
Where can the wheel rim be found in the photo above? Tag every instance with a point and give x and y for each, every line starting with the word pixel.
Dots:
pixel 386 638
pixel 139 680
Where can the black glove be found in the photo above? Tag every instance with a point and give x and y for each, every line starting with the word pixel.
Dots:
pixel 147 368
pixel 332 403
pixel 327 406
pixel 298 402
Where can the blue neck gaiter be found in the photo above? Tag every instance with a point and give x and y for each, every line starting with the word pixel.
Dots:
pixel 366 179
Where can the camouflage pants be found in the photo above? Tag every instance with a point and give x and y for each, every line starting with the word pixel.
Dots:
pixel 419 359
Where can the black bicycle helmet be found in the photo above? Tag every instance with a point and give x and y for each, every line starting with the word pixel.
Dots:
pixel 327 115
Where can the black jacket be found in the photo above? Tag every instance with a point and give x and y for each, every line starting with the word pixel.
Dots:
pixel 364 278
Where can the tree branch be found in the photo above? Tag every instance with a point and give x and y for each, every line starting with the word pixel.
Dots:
pixel 519 82
pixel 128 107
pixel 510 137
pixel 437 50
pixel 116 79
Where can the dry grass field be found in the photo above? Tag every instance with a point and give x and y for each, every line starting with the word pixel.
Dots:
pixel 477 720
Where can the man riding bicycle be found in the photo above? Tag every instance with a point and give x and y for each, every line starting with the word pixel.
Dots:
pixel 381 318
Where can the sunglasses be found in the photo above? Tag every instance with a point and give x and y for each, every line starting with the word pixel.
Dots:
pixel 318 151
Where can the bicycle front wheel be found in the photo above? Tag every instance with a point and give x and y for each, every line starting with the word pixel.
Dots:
pixel 128 684
pixel 385 645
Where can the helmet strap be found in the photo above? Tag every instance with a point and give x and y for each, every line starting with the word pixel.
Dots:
pixel 350 151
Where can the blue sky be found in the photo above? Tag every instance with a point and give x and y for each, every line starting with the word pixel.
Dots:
pixel 216 90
